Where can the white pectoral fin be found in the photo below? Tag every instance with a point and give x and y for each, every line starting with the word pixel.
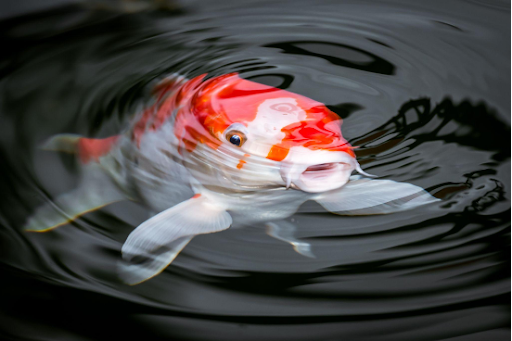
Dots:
pixel 154 244
pixel 139 269
pixel 363 196
pixel 285 232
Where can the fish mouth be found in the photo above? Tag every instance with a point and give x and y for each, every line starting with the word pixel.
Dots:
pixel 324 177
pixel 319 177
pixel 321 168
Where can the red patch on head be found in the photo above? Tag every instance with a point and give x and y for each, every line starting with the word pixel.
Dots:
pixel 320 130
pixel 207 108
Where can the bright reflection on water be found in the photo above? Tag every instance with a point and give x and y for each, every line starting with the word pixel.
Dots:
pixel 423 89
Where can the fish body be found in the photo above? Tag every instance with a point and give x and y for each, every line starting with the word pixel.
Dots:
pixel 210 151
pixel 283 134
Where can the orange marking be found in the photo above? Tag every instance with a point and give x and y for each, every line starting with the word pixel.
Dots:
pixel 93 149
pixel 241 164
pixel 278 152
pixel 247 155
pixel 196 196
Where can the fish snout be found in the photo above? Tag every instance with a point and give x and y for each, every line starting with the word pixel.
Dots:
pixel 331 171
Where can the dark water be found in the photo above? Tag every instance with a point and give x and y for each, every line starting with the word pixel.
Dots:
pixel 424 90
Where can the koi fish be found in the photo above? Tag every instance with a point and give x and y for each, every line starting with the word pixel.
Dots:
pixel 212 151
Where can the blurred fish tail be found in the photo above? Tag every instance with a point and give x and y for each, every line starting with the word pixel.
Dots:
pixel 66 143
pixel 87 149
pixel 95 190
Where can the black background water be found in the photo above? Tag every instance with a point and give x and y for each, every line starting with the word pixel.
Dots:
pixel 424 90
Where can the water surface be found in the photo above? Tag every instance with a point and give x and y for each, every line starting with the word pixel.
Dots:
pixel 424 91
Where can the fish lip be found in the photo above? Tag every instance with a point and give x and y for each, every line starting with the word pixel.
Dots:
pixel 331 174
pixel 322 167
pixel 324 177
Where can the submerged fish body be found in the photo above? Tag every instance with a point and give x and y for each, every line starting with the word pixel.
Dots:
pixel 210 151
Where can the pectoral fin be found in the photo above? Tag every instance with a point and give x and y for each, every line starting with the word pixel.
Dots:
pixel 154 244
pixel 285 232
pixel 363 196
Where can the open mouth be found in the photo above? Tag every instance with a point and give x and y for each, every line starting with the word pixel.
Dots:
pixel 321 168
pixel 331 170
pixel 323 171
pixel 324 176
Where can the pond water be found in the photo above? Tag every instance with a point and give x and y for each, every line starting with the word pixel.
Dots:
pixel 424 91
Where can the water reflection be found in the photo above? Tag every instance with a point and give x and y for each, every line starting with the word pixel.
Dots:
pixel 353 58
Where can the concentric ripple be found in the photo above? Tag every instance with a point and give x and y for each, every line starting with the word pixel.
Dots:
pixel 423 88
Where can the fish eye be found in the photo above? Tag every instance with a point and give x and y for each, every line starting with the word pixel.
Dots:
pixel 236 137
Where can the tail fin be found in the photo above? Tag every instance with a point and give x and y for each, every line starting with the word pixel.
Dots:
pixel 67 143
pixel 87 149
pixel 94 191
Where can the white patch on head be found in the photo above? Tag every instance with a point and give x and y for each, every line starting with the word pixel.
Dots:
pixel 272 116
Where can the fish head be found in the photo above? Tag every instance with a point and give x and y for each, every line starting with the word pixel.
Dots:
pixel 299 139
